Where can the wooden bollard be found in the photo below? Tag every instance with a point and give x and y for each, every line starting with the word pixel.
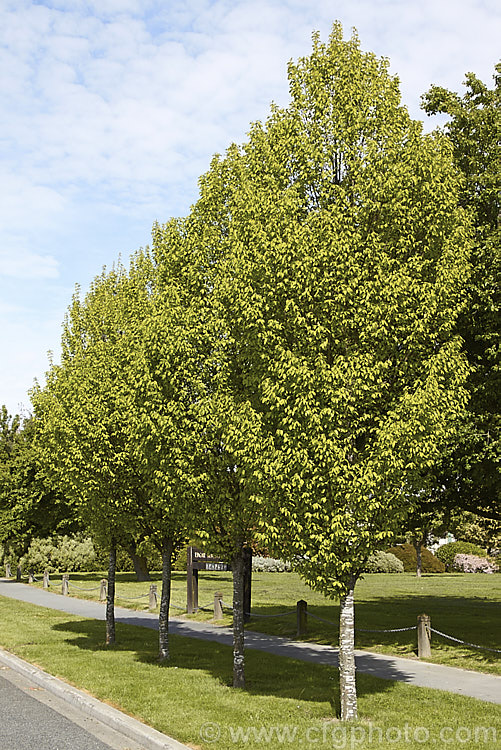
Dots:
pixel 65 585
pixel 423 636
pixel 19 573
pixel 103 593
pixel 31 576
pixel 302 617
pixel 7 571
pixel 153 596
pixel 218 606
pixel 46 580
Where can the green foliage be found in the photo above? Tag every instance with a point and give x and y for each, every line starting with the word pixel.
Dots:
pixel 406 553
pixel 60 554
pixel 472 474
pixel 339 253
pixel 30 506
pixel 447 552
pixel 383 562
pixel 470 527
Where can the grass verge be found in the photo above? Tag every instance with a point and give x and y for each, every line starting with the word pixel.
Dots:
pixel 286 703
pixel 466 606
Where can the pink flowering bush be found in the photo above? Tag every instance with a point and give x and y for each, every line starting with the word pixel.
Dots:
pixel 474 564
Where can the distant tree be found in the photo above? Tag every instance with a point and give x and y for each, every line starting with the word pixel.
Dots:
pixel 473 476
pixel 341 251
pixel 29 505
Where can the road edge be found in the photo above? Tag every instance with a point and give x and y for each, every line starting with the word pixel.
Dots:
pixel 132 728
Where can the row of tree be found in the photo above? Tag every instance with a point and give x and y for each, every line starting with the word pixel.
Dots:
pixel 307 359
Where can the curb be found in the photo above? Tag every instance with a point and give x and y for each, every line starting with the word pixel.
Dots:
pixel 133 729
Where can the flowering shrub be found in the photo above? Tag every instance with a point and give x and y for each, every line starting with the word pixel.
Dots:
pixel 473 564
pixel 269 565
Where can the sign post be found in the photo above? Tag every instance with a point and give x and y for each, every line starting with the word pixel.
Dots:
pixel 197 560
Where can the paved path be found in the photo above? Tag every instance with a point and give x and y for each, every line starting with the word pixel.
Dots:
pixel 474 684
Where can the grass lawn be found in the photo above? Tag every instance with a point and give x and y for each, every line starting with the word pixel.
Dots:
pixel 286 703
pixel 463 605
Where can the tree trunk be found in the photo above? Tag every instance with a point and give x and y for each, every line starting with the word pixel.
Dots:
pixel 163 618
pixel 238 619
pixel 347 683
pixel 110 598
pixel 140 564
pixel 417 547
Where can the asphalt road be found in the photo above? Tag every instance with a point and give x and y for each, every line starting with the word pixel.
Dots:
pixel 34 718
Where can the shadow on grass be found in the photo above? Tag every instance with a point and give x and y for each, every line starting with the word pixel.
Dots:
pixel 471 620
pixel 266 673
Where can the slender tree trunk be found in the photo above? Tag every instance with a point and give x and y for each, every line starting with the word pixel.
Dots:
pixel 110 598
pixel 347 682
pixel 419 565
pixel 238 619
pixel 163 618
pixel 140 564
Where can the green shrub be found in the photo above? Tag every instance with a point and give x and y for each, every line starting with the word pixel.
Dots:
pixel 407 554
pixel 269 565
pixel 447 552
pixel 383 562
pixel 60 554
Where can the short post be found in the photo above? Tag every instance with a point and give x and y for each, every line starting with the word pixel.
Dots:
pixel 7 571
pixel 153 596
pixel 46 581
pixel 65 585
pixel 302 617
pixel 218 606
pixel 103 593
pixel 31 576
pixel 424 636
pixel 191 584
pixel 19 573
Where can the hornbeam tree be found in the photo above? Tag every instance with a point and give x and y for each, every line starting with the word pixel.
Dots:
pixel 84 439
pixel 339 252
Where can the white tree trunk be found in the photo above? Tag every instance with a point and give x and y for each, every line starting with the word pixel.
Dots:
pixel 347 683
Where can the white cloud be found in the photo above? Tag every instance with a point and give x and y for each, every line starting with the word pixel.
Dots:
pixel 111 109
pixel 27 265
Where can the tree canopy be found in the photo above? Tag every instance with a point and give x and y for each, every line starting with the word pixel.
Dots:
pixel 472 477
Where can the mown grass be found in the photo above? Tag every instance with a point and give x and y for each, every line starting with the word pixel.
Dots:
pixel 192 694
pixel 466 606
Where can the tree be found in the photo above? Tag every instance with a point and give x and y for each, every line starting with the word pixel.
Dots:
pixel 29 506
pixel 84 437
pixel 472 475
pixel 341 257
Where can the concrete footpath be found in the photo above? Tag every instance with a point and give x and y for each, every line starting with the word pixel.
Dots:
pixel 484 687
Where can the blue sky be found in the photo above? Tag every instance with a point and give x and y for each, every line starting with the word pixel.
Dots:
pixel 111 110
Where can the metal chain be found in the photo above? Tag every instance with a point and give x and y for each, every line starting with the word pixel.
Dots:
pixel 280 614
pixel 321 619
pixel 391 630
pixel 465 643
pixel 70 583
pixel 131 598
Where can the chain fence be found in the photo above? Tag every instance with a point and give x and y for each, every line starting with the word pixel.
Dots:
pixel 210 608
pixel 465 643
pixel 73 585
